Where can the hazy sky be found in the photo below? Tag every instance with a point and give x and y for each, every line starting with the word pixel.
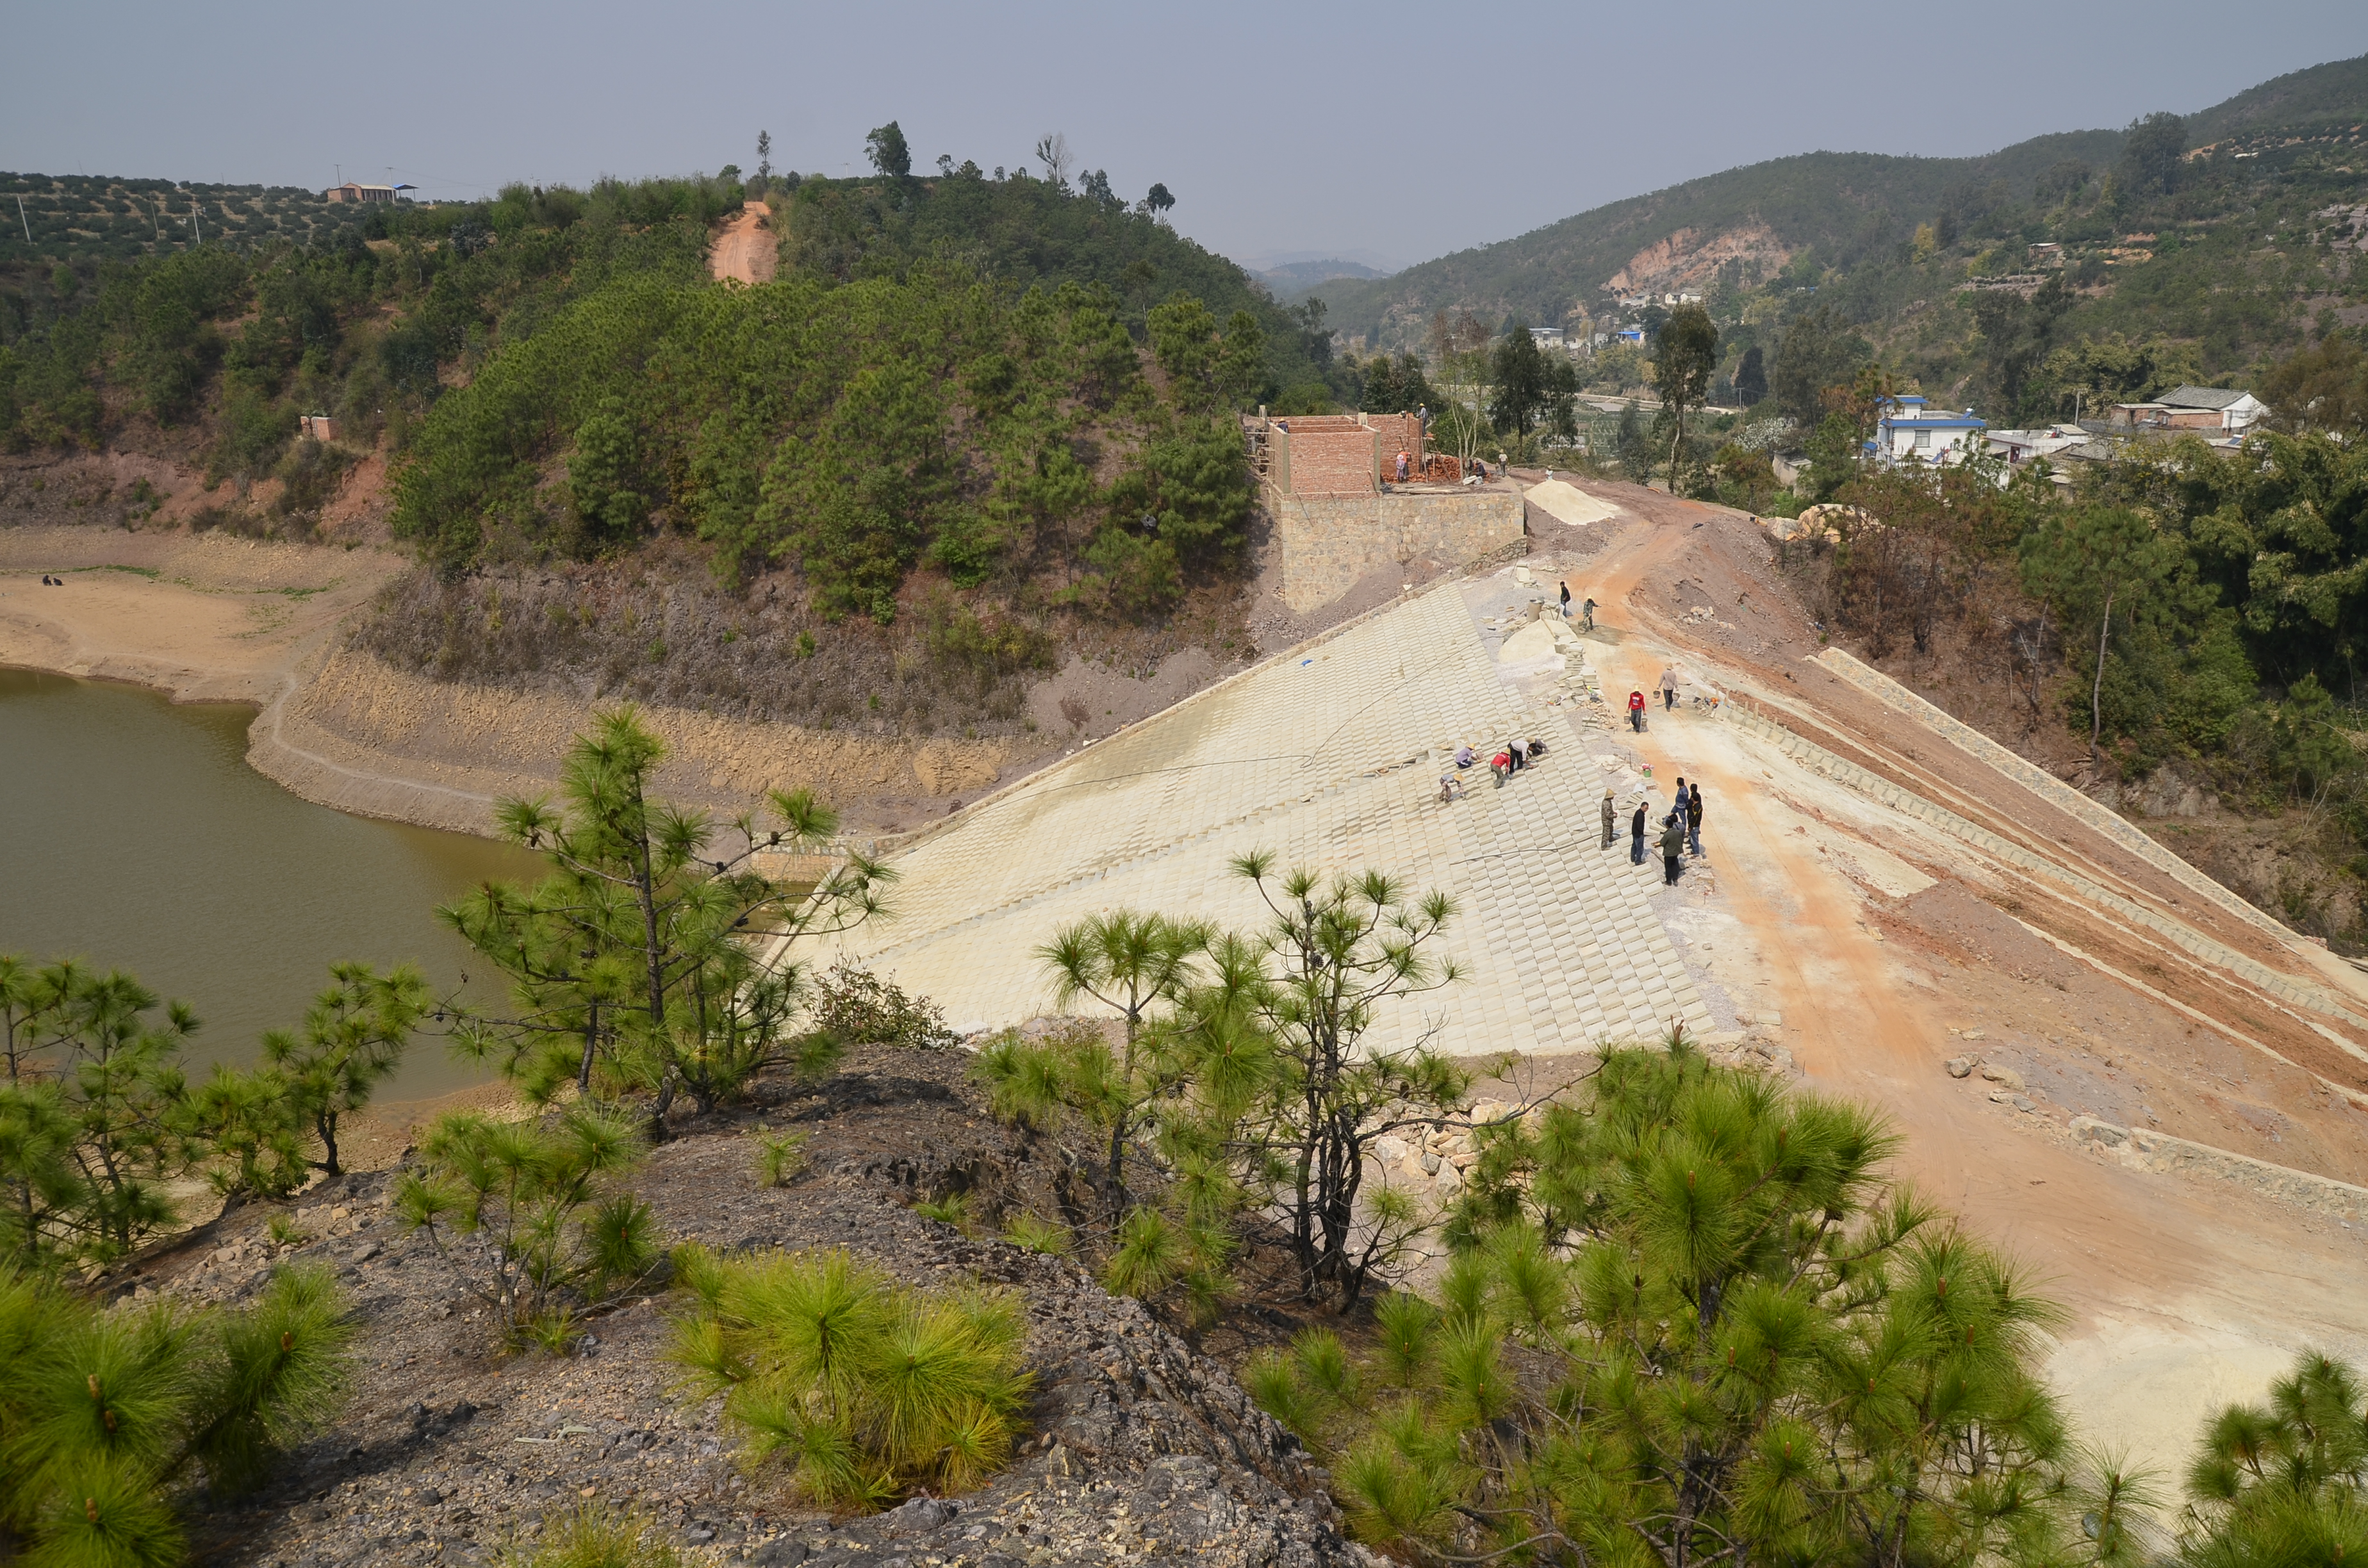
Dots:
pixel 1376 131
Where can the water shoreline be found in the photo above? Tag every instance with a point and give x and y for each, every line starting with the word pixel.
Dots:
pixel 210 619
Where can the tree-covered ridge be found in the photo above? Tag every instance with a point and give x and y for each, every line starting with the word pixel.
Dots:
pixel 557 374
pixel 1030 231
pixel 1816 199
pixel 851 432
pixel 367 328
pixel 2335 91
pixel 2209 231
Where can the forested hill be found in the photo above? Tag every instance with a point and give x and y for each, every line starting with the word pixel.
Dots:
pixel 1829 210
pixel 972 423
pixel 1027 231
pixel 2299 100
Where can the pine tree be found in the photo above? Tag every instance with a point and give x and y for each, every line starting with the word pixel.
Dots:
pixel 1688 1321
pixel 641 962
pixel 529 1214
pixel 1290 1087
pixel 87 1115
pixel 869 1390
pixel 112 1419
pixel 1751 377
pixel 353 1040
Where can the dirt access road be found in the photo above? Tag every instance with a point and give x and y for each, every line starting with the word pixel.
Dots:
pixel 1888 951
pixel 745 250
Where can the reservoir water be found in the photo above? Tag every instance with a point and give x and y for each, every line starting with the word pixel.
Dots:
pixel 134 835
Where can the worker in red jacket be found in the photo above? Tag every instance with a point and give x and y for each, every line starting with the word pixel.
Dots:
pixel 1637 711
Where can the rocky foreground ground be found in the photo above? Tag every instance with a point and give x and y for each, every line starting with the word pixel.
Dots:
pixel 1138 1448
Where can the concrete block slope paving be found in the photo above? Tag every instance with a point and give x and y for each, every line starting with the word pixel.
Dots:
pixel 1331 759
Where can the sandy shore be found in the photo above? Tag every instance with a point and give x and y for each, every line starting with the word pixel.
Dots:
pixel 210 618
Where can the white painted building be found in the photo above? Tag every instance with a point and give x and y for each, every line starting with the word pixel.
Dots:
pixel 2019 446
pixel 1908 429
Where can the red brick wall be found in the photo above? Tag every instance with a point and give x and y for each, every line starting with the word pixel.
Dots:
pixel 1333 462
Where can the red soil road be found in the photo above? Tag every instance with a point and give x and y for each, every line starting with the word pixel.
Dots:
pixel 746 251
pixel 2183 1290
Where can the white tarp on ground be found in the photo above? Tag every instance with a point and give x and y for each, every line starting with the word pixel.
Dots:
pixel 1567 503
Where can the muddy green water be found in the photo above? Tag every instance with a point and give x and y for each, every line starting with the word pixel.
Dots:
pixel 133 835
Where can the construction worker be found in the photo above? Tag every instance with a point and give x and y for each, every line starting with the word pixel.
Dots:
pixel 1610 815
pixel 1637 835
pixel 1693 817
pixel 1673 846
pixel 1404 461
pixel 1668 688
pixel 1586 616
pixel 1637 711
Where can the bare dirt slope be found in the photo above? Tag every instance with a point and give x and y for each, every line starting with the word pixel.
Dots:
pixel 2088 977
pixel 206 617
pixel 746 251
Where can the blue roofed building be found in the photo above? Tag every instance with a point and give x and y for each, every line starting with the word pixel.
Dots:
pixel 1910 429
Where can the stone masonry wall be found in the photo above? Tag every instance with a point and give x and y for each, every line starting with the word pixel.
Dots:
pixel 1328 544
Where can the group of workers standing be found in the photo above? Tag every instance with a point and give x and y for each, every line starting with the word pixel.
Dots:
pixel 1680 831
pixel 1475 471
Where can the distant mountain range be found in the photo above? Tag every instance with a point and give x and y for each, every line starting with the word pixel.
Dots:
pixel 1299 274
pixel 1841 206
pixel 1288 274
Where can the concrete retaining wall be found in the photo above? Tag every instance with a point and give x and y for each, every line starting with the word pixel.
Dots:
pixel 1328 544
pixel 2039 782
pixel 2143 1149
pixel 1817 759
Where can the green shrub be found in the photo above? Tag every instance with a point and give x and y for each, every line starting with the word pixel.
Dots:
pixel 1038 1235
pixel 595 1535
pixel 1692 1311
pixel 111 1418
pixel 534 1200
pixel 861 1009
pixel 953 1210
pixel 779 1156
pixel 867 1389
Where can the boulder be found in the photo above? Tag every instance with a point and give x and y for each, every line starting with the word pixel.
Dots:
pixel 1961 1067
pixel 1532 644
pixel 1826 522
pixel 2006 1077
pixel 2088 1130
